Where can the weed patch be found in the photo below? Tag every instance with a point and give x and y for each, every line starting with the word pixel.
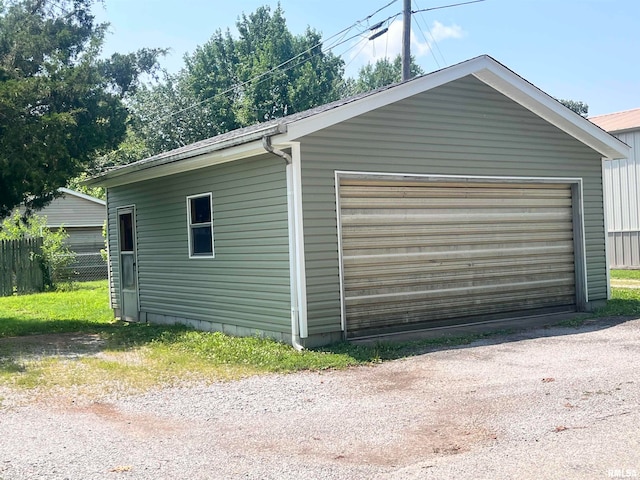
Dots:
pixel 623 302
pixel 67 341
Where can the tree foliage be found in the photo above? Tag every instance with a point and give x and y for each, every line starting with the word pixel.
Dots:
pixel 228 83
pixel 60 103
pixel 580 108
pixel 383 72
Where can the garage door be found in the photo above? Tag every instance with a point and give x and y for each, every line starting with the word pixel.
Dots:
pixel 420 254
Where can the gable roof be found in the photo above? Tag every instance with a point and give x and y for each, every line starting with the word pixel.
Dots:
pixel 68 191
pixel 618 121
pixel 246 141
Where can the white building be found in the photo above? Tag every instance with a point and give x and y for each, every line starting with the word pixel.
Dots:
pixel 622 190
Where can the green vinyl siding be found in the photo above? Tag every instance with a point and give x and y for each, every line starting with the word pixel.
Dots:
pixel 247 283
pixel 461 128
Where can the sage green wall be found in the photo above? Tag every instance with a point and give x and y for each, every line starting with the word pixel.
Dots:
pixel 462 128
pixel 247 283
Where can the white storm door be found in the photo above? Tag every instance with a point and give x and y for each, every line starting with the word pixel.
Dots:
pixel 128 268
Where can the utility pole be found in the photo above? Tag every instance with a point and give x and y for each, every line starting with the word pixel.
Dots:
pixel 406 40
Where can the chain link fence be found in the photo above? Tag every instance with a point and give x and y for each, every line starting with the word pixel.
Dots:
pixel 88 266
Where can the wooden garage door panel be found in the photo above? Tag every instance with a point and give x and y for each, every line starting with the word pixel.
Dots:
pixel 428 251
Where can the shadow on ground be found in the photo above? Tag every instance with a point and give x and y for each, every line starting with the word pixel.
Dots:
pixel 74 339
pixel 387 349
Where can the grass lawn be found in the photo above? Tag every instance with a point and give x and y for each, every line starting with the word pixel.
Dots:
pixel 626 274
pixel 128 356
pixel 68 341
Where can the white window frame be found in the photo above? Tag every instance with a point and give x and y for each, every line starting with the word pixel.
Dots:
pixel 200 225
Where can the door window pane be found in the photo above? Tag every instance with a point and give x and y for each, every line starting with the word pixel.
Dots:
pixel 128 270
pixel 126 232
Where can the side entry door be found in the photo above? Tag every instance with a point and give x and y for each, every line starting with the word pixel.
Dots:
pixel 128 268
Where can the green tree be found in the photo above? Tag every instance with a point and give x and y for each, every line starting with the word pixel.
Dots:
pixel 580 108
pixel 384 72
pixel 60 104
pixel 228 83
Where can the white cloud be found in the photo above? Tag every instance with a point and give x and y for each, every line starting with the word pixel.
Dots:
pixel 442 32
pixel 389 45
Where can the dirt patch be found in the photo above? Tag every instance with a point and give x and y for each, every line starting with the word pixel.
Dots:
pixel 132 424
pixel 69 345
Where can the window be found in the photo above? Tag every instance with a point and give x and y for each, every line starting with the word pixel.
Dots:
pixel 126 232
pixel 200 222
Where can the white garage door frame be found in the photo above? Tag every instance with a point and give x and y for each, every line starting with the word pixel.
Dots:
pixel 580 260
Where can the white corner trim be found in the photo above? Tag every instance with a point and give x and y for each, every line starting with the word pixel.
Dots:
pixel 583 242
pixel 112 287
pixel 606 228
pixel 68 191
pixel 301 272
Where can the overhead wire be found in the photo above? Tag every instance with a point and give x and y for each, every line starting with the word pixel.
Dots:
pixel 261 77
pixel 426 24
pixel 279 67
pixel 433 39
pixel 446 6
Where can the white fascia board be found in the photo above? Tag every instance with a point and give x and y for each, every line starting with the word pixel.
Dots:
pixel 116 176
pixel 317 122
pixel 68 191
pixel 532 98
pixel 185 165
pixel 493 74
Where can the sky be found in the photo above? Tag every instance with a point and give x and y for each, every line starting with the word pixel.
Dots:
pixel 583 50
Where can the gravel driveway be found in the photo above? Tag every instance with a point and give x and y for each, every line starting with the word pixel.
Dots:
pixel 552 403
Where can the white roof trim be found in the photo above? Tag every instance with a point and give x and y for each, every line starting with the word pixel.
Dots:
pixel 490 72
pixel 164 162
pixel 199 160
pixel 531 97
pixel 484 68
pixel 68 191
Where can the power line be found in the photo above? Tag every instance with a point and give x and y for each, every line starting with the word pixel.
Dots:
pixel 261 77
pixel 433 38
pixel 429 44
pixel 426 24
pixel 446 6
pixel 279 67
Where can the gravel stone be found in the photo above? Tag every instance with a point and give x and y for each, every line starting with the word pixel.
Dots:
pixel 548 403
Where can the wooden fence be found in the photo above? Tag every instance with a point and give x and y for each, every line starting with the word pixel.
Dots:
pixel 21 266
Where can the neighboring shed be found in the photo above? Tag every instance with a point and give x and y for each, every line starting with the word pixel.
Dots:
pixel 82 217
pixel 622 189
pixel 466 195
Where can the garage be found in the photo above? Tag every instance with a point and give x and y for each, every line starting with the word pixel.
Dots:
pixel 422 252
pixel 466 196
